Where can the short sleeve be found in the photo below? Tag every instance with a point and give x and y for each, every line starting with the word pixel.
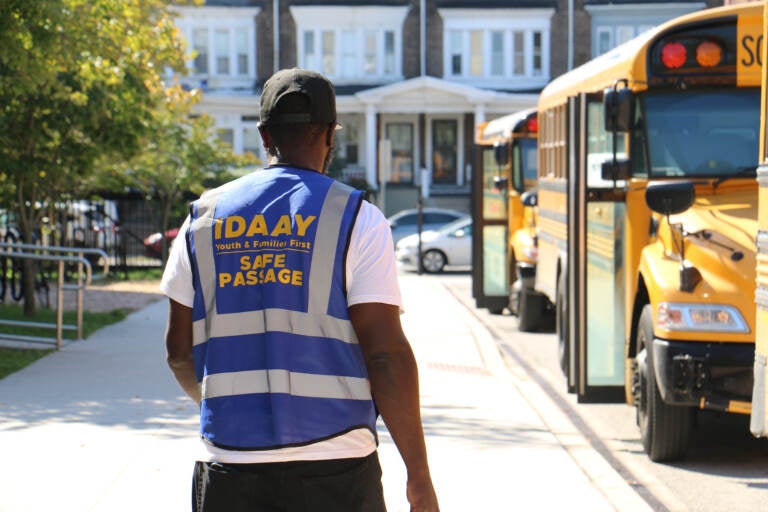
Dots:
pixel 177 276
pixel 371 268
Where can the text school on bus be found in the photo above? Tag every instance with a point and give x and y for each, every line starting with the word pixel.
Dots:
pixel 647 214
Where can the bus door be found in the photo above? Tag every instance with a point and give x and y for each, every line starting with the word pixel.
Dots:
pixel 598 246
pixel 490 267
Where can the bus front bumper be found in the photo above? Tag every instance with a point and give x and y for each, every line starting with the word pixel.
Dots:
pixel 706 375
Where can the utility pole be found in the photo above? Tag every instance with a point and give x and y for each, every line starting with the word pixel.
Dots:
pixel 423 37
pixel 570 35
pixel 275 35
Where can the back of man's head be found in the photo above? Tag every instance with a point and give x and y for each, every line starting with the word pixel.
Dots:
pixel 296 104
pixel 320 98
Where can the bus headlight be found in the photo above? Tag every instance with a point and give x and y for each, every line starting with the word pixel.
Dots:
pixel 675 316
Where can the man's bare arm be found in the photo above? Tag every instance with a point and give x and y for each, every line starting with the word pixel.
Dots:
pixel 395 388
pixel 178 345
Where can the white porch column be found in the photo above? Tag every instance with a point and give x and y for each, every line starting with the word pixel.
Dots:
pixel 371 146
pixel 479 113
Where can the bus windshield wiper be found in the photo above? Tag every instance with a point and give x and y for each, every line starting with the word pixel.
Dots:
pixel 740 173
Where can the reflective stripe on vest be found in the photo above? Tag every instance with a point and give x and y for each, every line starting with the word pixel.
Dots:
pixel 293 382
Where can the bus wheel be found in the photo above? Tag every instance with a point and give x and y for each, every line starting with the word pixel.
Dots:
pixel 664 429
pixel 530 308
pixel 561 326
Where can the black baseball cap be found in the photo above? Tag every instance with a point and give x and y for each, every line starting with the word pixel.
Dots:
pixel 320 106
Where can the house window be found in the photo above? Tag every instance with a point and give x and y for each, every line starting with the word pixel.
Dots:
pixel 310 57
pixel 200 44
pixel 369 59
pixel 329 57
pixel 456 52
pixel 221 49
pixel 518 53
pixel 604 40
pixel 347 141
pixel 389 52
pixel 624 33
pixel 350 44
pixel 251 140
pixel 609 37
pixel 241 49
pixel 476 53
pixel 444 155
pixel 223 46
pixel 348 53
pixel 400 136
pixel 538 65
pixel 497 53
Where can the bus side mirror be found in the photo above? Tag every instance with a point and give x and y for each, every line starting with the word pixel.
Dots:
pixel 618 106
pixel 615 169
pixel 500 183
pixel 670 198
pixel 501 154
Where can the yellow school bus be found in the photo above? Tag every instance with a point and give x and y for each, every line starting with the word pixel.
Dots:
pixel 759 420
pixel 504 197
pixel 647 219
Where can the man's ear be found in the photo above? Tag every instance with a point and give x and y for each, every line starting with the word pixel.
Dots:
pixel 264 136
pixel 330 132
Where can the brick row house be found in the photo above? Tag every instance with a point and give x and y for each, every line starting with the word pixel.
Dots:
pixel 409 103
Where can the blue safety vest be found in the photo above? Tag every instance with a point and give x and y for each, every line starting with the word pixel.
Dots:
pixel 274 349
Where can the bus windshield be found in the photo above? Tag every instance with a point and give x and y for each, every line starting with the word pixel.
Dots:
pixel 703 133
pixel 525 169
pixel 529 156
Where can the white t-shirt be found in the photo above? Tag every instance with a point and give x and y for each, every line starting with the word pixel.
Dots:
pixel 371 277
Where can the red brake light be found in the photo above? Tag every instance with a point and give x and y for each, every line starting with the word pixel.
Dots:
pixel 709 54
pixel 673 55
pixel 533 125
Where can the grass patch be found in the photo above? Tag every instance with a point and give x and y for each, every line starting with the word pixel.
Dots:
pixel 13 359
pixel 139 274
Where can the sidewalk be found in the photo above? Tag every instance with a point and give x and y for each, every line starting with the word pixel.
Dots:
pixel 102 426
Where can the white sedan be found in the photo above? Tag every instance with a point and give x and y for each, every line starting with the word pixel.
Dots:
pixel 450 245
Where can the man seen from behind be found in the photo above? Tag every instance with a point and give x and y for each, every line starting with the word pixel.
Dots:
pixel 284 326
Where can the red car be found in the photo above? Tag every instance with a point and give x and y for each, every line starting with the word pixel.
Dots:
pixel 153 242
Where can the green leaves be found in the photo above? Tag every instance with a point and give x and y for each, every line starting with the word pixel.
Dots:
pixel 81 84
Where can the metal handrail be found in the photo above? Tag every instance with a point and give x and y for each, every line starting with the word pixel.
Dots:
pixel 41 253
pixel 80 251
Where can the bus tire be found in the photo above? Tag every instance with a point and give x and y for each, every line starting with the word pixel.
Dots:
pixel 530 308
pixel 665 430
pixel 561 326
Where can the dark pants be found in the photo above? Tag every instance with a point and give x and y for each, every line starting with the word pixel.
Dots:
pixel 340 485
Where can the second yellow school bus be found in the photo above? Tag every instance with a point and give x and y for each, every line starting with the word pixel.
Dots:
pixel 647 215
pixel 503 189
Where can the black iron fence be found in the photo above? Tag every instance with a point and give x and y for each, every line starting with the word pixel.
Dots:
pixel 126 228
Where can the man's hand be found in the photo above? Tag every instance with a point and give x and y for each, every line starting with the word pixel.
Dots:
pixel 421 495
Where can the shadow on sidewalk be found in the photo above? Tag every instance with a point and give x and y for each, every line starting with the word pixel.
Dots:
pixel 117 378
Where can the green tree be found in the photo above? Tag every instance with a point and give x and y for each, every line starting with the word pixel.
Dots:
pixel 182 155
pixel 79 79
